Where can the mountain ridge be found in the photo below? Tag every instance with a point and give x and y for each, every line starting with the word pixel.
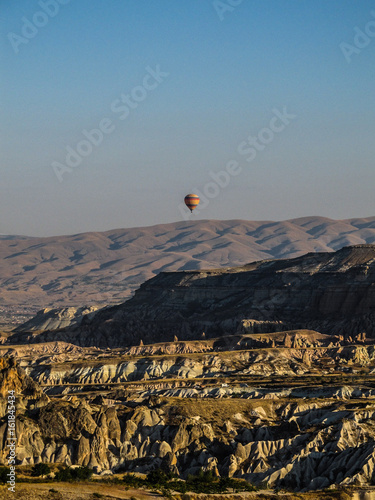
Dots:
pixel 105 268
pixel 332 293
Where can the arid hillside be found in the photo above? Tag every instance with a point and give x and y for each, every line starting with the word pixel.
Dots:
pixel 260 402
pixel 332 293
pixel 105 268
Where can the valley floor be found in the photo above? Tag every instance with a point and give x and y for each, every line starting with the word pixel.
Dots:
pixel 71 491
pixel 87 491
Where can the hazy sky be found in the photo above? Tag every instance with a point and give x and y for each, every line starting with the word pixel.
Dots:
pixel 177 90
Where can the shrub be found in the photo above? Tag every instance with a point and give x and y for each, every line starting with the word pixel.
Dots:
pixel 207 482
pixel 158 477
pixel 40 470
pixel 63 474
pixel 82 473
pixel 3 474
pixel 69 474
pixel 133 481
pixel 203 482
pixel 166 493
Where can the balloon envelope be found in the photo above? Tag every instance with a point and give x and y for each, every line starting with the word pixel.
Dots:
pixel 191 201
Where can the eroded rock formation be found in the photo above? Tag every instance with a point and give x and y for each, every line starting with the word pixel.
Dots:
pixel 303 437
pixel 333 293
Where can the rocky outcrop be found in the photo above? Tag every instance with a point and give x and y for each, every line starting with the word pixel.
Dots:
pixel 333 293
pixel 13 378
pixel 56 319
pixel 285 430
pixel 302 446
pixel 204 366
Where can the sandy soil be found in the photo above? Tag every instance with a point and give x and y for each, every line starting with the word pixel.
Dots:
pixel 71 491
pixel 89 491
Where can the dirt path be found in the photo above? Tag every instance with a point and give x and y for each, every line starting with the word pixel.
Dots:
pixel 73 491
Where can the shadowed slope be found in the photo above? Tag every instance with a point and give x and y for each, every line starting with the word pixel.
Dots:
pixel 333 293
pixel 101 268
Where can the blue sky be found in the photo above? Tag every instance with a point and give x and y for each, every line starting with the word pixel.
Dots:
pixel 226 69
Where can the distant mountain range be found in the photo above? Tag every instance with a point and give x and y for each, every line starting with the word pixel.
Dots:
pixel 106 267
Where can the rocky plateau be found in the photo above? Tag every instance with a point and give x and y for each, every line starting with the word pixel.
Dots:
pixel 105 268
pixel 333 293
pixel 263 372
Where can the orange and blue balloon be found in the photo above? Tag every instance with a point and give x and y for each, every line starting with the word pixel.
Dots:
pixel 191 201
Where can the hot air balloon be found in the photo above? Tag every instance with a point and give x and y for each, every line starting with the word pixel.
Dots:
pixel 191 201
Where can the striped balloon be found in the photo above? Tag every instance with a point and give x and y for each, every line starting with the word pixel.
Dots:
pixel 191 201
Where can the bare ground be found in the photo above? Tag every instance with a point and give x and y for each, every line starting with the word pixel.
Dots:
pixel 89 491
pixel 73 491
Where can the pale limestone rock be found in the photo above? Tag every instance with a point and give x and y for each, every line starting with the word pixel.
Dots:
pixel 164 449
pixel 83 451
pixel 233 466
pixel 62 454
pixel 49 452
pixel 128 451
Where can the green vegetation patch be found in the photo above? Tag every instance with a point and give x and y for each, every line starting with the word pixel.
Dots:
pixel 76 474
pixel 203 482
pixel 40 470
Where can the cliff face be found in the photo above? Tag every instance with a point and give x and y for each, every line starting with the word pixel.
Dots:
pixel 333 293
pixel 55 319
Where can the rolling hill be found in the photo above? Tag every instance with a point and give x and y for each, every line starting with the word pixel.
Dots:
pixel 106 267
